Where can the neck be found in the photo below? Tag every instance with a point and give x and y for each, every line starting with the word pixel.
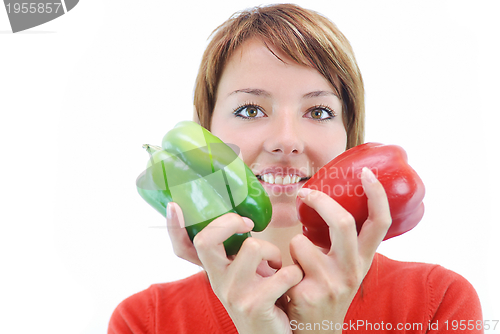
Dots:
pixel 281 238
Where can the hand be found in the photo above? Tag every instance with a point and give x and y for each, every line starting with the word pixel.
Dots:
pixel 250 289
pixel 249 293
pixel 332 277
pixel 182 245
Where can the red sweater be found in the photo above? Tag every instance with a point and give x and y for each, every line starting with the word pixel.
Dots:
pixel 401 297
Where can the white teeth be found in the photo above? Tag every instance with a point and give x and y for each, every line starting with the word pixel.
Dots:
pixel 270 178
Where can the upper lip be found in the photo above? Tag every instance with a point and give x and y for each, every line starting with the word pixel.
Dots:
pixel 283 171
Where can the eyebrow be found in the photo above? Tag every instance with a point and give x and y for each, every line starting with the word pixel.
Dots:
pixel 261 92
pixel 253 91
pixel 318 93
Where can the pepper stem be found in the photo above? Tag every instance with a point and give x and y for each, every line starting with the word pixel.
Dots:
pixel 151 148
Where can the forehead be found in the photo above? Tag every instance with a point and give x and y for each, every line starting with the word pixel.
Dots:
pixel 255 63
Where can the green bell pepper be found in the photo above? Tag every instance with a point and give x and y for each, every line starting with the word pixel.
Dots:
pixel 206 178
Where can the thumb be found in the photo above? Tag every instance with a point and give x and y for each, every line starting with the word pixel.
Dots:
pixel 182 245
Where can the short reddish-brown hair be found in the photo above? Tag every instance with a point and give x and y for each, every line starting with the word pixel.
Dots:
pixel 305 36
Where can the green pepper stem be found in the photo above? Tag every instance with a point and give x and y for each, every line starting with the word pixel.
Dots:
pixel 151 148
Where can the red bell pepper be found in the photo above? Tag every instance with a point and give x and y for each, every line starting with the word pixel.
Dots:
pixel 341 180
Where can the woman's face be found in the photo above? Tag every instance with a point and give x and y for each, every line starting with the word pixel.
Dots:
pixel 285 118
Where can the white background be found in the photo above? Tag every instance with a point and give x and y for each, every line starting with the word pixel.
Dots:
pixel 81 94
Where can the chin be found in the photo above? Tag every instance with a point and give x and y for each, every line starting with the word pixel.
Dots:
pixel 284 215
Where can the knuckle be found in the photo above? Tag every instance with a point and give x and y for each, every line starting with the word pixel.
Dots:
pixel 179 252
pixel 383 222
pixel 181 246
pixel 291 275
pixel 200 242
pixel 353 281
pixel 387 222
pixel 286 276
pixel 345 221
pixel 297 240
pixel 251 245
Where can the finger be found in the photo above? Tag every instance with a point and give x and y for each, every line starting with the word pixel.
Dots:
pixel 342 227
pixel 251 254
pixel 265 270
pixel 182 245
pixel 282 281
pixel 306 254
pixel 379 215
pixel 209 241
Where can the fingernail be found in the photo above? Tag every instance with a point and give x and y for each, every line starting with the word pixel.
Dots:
pixel 368 175
pixel 303 192
pixel 248 222
pixel 169 211
pixel 172 218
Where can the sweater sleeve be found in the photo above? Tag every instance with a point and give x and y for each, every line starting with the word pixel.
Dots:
pixel 455 305
pixel 133 315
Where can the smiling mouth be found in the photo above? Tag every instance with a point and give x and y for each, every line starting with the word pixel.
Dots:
pixel 280 179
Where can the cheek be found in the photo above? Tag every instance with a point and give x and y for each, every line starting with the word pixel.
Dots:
pixel 220 129
pixel 332 146
pixel 246 148
pixel 241 140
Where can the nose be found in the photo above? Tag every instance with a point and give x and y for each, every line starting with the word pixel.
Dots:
pixel 285 137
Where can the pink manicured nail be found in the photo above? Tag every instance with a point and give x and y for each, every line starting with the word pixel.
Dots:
pixel 169 211
pixel 368 175
pixel 248 222
pixel 303 192
pixel 172 215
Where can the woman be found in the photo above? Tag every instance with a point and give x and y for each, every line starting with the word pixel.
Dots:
pixel 282 83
